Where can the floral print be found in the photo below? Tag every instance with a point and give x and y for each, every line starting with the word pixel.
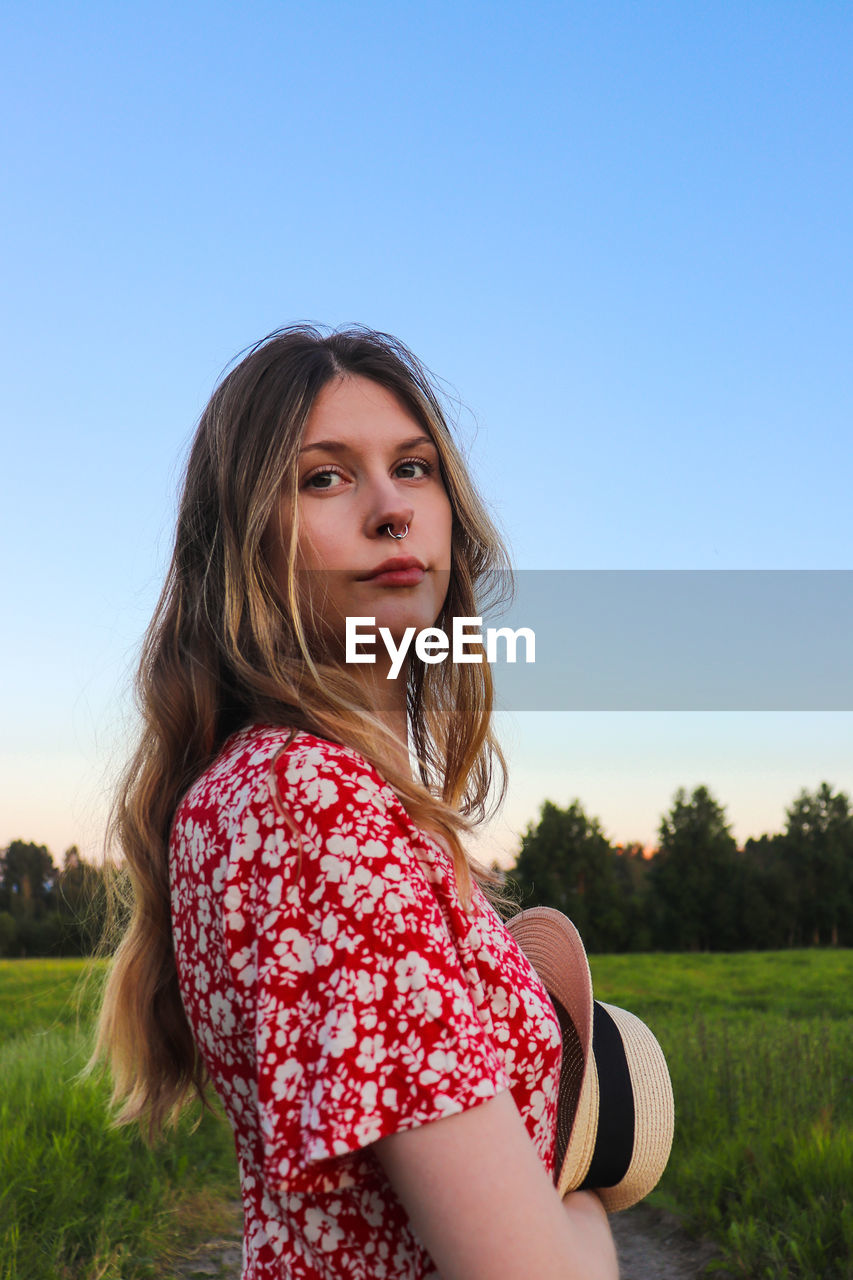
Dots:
pixel 338 992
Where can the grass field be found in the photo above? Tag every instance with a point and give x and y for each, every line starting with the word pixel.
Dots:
pixel 78 1200
pixel 760 1048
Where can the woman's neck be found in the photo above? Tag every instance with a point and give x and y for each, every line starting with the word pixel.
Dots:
pixel 388 697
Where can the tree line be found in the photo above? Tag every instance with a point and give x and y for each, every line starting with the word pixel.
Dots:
pixel 45 910
pixel 697 891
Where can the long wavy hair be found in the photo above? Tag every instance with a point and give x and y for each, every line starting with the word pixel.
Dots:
pixel 227 648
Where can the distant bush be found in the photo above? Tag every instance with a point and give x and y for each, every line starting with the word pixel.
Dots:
pixel 8 932
pixel 697 891
pixel 45 911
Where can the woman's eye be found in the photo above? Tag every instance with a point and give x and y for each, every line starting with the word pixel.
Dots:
pixel 325 479
pixel 411 466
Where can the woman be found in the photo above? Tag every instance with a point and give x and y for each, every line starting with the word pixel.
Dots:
pixel 309 934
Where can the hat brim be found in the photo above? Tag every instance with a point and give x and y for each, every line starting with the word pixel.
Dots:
pixel 554 947
pixel 654 1113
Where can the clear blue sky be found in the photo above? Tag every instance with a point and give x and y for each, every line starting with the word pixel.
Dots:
pixel 621 232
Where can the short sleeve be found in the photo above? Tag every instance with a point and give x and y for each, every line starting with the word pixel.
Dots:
pixel 364 1023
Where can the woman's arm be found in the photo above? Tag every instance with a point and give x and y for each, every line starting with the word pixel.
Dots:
pixel 483 1206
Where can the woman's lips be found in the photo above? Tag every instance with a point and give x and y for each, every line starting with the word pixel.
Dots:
pixel 399 571
pixel 399 577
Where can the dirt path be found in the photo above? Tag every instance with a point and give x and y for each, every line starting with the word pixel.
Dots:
pixel 220 1259
pixel 651 1246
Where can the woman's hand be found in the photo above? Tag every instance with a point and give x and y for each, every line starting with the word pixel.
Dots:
pixel 589 1221
pixel 483 1206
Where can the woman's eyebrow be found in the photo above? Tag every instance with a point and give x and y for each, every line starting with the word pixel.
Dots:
pixel 339 446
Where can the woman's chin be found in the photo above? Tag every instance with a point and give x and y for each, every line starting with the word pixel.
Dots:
pixel 398 619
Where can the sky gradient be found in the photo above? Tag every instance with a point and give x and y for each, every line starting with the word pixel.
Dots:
pixel 620 233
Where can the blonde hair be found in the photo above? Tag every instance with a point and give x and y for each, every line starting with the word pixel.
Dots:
pixel 225 650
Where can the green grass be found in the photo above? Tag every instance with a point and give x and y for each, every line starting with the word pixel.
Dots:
pixel 78 1199
pixel 760 1050
pixel 40 996
pixel 795 984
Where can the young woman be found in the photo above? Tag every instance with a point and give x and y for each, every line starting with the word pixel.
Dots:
pixel 309 936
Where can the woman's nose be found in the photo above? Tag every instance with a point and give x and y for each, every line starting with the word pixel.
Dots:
pixel 392 520
pixel 388 507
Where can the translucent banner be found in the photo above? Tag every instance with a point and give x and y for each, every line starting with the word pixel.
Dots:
pixel 677 640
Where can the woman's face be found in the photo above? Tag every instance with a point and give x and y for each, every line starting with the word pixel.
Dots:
pixel 365 463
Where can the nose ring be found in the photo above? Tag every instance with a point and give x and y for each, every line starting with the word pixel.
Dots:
pixel 398 536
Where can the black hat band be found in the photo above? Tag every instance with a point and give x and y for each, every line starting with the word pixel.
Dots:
pixel 614 1138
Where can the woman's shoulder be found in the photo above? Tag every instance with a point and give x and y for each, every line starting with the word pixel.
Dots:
pixel 302 760
pixel 290 767
pixel 278 806
pixel 263 741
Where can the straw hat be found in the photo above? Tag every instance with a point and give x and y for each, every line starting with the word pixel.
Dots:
pixel 615 1112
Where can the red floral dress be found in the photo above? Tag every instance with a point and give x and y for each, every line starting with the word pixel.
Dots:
pixel 338 992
